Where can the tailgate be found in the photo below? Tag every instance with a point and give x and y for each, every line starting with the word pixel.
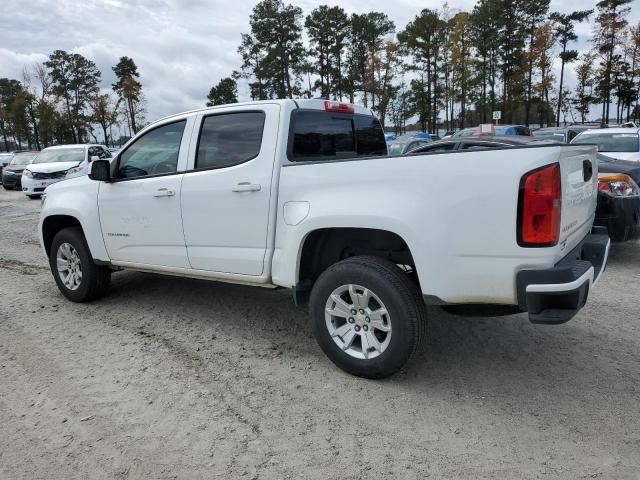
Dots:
pixel 579 171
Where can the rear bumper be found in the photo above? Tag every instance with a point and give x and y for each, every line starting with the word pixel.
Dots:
pixel 556 294
pixel 619 215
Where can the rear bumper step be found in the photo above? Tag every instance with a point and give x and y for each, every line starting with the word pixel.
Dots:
pixel 556 294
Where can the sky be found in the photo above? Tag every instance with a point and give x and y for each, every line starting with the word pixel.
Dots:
pixel 181 47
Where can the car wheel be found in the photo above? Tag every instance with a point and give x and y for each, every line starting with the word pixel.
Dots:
pixel 367 316
pixel 5 187
pixel 77 276
pixel 33 197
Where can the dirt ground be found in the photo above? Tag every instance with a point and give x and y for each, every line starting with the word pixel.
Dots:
pixel 177 378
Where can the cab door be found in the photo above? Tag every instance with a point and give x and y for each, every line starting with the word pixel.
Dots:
pixel 226 193
pixel 140 208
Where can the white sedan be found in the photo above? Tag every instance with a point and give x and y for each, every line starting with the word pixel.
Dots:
pixel 58 163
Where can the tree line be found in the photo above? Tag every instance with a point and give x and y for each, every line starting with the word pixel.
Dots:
pixel 446 68
pixel 59 101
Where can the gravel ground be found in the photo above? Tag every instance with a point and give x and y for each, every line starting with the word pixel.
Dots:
pixel 178 378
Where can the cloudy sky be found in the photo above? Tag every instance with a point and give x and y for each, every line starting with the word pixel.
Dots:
pixel 181 47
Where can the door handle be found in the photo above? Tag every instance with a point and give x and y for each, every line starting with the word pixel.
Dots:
pixel 164 192
pixel 246 187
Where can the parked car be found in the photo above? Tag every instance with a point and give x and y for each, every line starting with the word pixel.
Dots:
pixel 61 162
pixel 400 147
pixel 481 142
pixel 621 143
pixel 618 198
pixel 405 137
pixel 12 173
pixel 559 134
pixel 302 195
pixel 5 159
pixel 499 131
pixel 389 137
pixel 618 207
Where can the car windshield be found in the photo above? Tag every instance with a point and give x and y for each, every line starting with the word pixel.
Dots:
pixel 396 148
pixel 554 136
pixel 610 142
pixel 406 137
pixel 56 155
pixel 23 158
pixel 466 132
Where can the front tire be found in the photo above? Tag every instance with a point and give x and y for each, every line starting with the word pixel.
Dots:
pixel 33 197
pixel 77 276
pixel 389 320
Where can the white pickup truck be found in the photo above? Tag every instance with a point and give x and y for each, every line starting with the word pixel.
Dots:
pixel 301 194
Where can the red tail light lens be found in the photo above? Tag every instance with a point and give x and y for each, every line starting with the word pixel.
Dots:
pixel 539 207
pixel 338 107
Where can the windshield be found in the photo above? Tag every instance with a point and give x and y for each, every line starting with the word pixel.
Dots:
pixel 405 137
pixel 466 132
pixel 56 155
pixel 555 136
pixel 609 142
pixel 23 158
pixel 396 148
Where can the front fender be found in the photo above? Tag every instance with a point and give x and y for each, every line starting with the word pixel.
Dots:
pixel 77 198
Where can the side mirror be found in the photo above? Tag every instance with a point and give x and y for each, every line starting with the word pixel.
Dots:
pixel 100 170
pixel 93 158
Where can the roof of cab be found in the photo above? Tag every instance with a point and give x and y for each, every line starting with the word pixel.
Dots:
pixel 302 103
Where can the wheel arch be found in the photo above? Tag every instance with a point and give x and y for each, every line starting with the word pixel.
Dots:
pixel 52 224
pixel 323 247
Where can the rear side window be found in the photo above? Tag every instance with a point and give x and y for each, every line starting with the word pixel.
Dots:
pixel 369 136
pixel 321 135
pixel 229 139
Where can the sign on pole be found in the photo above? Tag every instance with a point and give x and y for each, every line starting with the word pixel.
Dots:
pixel 497 115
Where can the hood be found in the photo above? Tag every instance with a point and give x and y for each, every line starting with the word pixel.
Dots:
pixel 15 168
pixel 73 183
pixel 52 167
pixel 633 156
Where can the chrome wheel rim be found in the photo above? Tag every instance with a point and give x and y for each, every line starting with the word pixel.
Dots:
pixel 69 266
pixel 358 321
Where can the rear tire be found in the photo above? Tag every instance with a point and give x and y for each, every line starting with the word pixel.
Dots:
pixel 77 276
pixel 389 323
pixel 33 197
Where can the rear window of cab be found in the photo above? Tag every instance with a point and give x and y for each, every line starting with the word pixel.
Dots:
pixel 318 136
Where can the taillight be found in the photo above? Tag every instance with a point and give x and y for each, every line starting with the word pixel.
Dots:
pixel 617 185
pixel 338 107
pixel 539 207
